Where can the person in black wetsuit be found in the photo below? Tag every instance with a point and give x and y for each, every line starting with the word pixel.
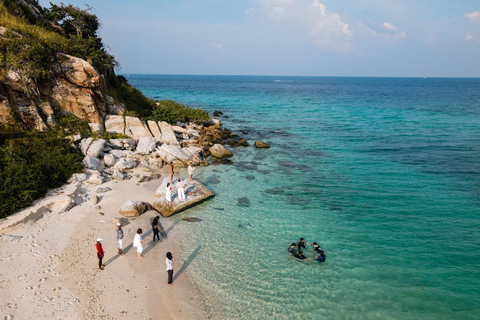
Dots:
pixel 155 228
pixel 301 243
pixel 300 255
pixel 291 249
pixel 316 247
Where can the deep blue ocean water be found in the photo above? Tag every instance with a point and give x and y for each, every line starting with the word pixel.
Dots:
pixel 384 173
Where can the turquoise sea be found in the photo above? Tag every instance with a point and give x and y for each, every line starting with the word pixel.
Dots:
pixel 384 173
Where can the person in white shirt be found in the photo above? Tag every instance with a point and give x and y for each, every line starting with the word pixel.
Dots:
pixel 168 194
pixel 190 171
pixel 170 261
pixel 138 243
pixel 180 190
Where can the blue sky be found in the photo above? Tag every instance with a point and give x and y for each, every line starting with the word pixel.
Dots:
pixel 434 38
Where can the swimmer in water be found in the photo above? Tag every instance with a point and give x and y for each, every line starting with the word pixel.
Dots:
pixel 291 249
pixel 300 255
pixel 316 247
pixel 321 257
pixel 301 243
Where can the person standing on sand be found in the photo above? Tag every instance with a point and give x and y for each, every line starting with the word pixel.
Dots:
pixel 170 261
pixel 180 190
pixel 155 228
pixel 168 194
pixel 138 243
pixel 171 171
pixel 190 171
pixel 120 239
pixel 202 157
pixel 100 254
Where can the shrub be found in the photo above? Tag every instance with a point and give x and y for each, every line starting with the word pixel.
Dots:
pixel 172 112
pixel 30 165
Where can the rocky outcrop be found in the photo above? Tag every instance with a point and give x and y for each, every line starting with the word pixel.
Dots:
pixel 146 145
pixel 220 152
pixel 196 194
pixel 115 124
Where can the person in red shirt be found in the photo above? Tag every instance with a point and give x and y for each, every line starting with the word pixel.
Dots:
pixel 100 253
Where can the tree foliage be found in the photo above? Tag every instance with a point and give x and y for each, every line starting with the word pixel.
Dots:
pixel 171 111
pixel 30 165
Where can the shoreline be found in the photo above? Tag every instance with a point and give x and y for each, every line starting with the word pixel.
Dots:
pixel 49 261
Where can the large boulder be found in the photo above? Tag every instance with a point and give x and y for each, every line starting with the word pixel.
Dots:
pixel 133 208
pixel 220 152
pixel 115 124
pixel 261 144
pixel 96 148
pixel 168 136
pixel 135 128
pixel 146 145
pixel 155 130
pixel 198 194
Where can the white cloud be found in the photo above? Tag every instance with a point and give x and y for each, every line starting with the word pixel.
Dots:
pixel 310 17
pixel 217 45
pixel 376 30
pixel 390 26
pixel 473 16
pixel 468 37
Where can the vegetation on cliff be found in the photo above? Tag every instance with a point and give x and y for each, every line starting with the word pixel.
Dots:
pixel 31 163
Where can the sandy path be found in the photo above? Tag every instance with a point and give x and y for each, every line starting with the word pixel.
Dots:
pixel 51 270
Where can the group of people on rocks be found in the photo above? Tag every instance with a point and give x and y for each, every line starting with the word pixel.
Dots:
pixel 180 183
pixel 138 243
pixel 300 256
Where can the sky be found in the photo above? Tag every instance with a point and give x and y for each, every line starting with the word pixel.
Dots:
pixel 407 38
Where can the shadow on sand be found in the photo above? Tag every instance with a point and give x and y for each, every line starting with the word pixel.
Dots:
pixel 187 262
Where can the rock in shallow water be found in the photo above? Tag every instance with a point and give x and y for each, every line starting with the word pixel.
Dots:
pixel 250 177
pixel 261 144
pixel 243 202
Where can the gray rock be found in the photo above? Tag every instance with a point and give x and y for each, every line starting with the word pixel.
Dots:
pixel 155 130
pixel 243 202
pixel 146 145
pixel 115 124
pixel 250 177
pixel 145 179
pixel 85 144
pixel 78 177
pixel 96 148
pixel 109 160
pixel 95 179
pixel 117 175
pixel 91 162
pixel 116 143
pixel 103 190
pixel 125 163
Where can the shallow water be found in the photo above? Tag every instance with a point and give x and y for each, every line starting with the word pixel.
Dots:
pixel 382 172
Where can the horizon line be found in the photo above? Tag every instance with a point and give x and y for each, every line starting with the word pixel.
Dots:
pixel 291 76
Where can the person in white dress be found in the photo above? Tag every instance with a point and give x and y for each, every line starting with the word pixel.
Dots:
pixel 138 243
pixel 168 194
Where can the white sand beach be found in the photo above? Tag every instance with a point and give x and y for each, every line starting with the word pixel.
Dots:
pixel 49 267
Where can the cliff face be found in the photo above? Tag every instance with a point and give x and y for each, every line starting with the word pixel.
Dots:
pixel 73 87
